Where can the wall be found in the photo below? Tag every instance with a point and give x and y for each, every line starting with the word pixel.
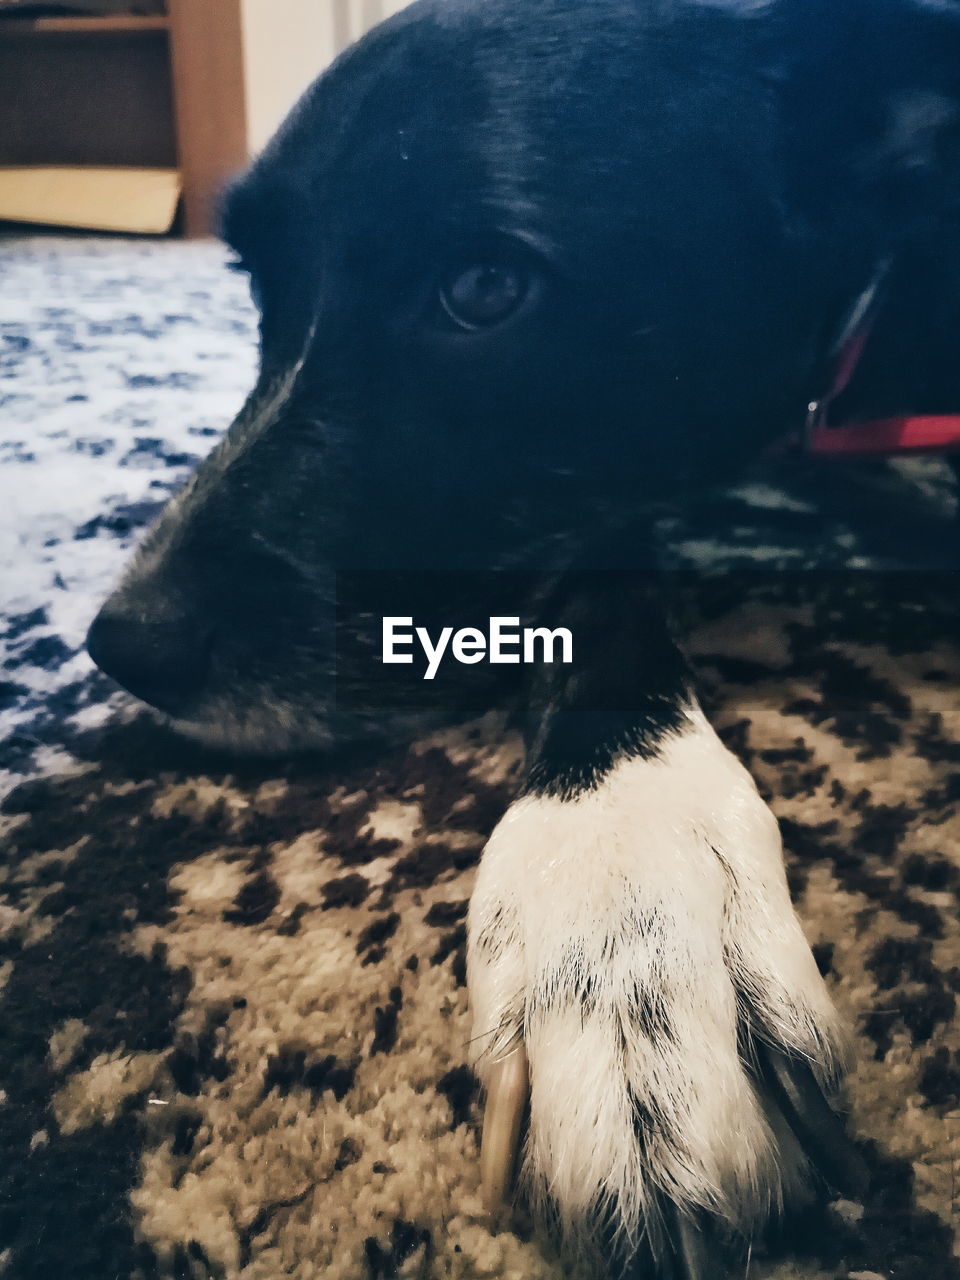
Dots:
pixel 286 43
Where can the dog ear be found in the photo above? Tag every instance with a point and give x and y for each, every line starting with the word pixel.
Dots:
pixel 870 91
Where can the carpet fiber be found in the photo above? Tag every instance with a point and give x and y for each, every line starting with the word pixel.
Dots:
pixel 232 999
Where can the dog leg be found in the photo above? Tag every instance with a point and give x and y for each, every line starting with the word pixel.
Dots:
pixel 631 933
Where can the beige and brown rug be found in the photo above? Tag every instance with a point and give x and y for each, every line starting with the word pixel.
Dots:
pixel 234 1017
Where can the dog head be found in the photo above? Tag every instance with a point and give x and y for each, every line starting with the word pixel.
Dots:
pixel 522 268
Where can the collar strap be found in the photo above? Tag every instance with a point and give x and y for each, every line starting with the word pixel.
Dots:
pixel 911 433
pixel 904 433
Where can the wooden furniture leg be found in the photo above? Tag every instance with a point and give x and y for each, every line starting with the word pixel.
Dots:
pixel 206 51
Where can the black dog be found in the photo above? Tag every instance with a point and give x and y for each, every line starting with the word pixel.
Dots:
pixel 526 268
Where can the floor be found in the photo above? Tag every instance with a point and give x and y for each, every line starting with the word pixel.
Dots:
pixel 232 993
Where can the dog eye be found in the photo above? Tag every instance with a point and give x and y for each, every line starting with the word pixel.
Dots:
pixel 483 294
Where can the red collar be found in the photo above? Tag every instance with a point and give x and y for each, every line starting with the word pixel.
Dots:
pixel 908 433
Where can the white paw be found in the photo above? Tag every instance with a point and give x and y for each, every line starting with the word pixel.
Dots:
pixel 635 940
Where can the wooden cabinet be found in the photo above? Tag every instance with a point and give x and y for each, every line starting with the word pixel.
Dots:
pixel 198 90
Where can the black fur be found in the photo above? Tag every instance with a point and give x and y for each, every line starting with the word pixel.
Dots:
pixel 695 194
pixel 697 191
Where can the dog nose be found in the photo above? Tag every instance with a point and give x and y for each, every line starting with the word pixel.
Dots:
pixel 164 663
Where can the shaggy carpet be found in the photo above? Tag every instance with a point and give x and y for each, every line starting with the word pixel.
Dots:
pixel 232 1001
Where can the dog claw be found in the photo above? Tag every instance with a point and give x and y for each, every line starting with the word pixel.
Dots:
pixel 696 1255
pixel 687 1250
pixel 816 1125
pixel 508 1088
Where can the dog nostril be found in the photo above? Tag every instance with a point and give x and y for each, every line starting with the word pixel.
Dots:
pixel 164 663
